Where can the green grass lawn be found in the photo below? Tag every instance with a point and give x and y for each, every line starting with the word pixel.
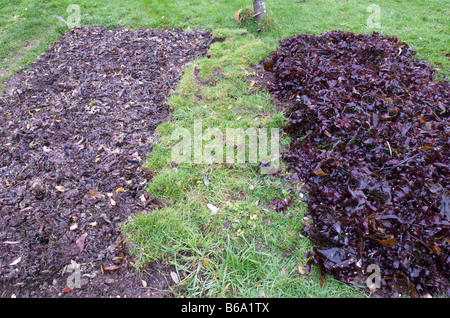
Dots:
pixel 246 249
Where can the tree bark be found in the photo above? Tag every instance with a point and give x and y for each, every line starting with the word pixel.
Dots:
pixel 259 7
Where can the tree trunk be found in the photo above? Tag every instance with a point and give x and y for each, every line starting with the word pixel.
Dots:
pixel 259 7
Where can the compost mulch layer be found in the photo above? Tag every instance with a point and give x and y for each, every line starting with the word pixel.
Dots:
pixel 75 131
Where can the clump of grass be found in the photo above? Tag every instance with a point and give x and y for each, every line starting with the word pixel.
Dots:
pixel 245 17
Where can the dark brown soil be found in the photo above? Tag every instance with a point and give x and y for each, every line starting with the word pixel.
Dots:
pixel 75 130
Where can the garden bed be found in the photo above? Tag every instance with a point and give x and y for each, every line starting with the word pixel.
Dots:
pixel 76 129
pixel 370 140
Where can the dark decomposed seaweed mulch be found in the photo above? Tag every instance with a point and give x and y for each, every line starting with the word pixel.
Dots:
pixel 75 130
pixel 370 139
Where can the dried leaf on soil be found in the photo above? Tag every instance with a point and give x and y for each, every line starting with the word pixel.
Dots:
pixel 80 241
pixel 174 277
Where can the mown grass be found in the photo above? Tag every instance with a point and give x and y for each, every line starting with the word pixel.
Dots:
pixel 246 249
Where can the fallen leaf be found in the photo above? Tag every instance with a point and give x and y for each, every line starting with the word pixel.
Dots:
pixel 174 277
pixel 60 18
pixel 322 282
pixel 388 240
pixel 268 66
pixel 319 172
pixel 372 288
pixel 120 189
pixel 251 187
pixel 67 289
pixel 230 106
pixel 11 242
pixel 226 287
pixel 113 203
pixel 213 208
pixel 111 267
pixel 80 242
pixel 236 15
pixel 73 227
pixel 95 194
pixel 301 270
pixel 59 188
pixel 436 250
pixel 206 262
pixel 16 261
